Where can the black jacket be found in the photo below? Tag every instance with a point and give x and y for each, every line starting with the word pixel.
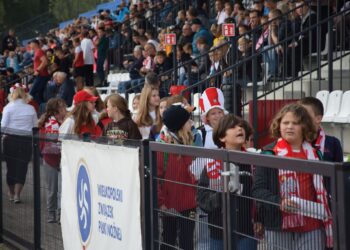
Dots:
pixel 210 201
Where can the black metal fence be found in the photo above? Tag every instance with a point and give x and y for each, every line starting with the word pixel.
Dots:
pixel 191 198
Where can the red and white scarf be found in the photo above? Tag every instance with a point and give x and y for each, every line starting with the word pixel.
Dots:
pixel 289 187
pixel 214 170
pixel 321 140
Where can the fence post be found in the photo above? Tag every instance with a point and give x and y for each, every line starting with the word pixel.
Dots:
pixel 255 94
pixel 36 189
pixel 145 187
pixel 153 200
pixel 330 55
pixel 342 242
pixel 1 214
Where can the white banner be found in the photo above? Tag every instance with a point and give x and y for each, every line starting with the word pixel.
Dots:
pixel 100 206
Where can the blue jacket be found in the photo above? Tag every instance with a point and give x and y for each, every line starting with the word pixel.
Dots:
pixel 66 92
pixel 332 150
pixel 203 32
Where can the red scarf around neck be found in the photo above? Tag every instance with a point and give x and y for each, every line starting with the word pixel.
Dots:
pixel 289 187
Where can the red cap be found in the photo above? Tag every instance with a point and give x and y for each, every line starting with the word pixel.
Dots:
pixel 83 96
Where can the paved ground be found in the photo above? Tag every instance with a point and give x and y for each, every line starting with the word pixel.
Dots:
pixel 18 218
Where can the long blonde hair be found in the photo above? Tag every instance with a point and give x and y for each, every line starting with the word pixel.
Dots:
pixel 19 93
pixel 143 117
pixel 186 137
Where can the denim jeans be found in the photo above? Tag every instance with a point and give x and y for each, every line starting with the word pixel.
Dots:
pixel 270 60
pixel 100 69
pixel 134 85
pixel 38 88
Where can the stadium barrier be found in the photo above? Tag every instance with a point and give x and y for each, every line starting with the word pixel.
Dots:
pixel 190 198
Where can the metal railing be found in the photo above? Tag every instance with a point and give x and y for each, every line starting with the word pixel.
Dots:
pixel 186 200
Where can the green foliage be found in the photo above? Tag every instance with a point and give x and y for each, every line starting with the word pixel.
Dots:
pixel 67 9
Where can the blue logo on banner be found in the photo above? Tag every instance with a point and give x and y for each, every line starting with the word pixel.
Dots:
pixel 84 203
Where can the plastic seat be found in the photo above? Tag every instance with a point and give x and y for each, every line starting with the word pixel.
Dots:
pixel 130 99
pixel 344 113
pixel 333 105
pixel 196 97
pixel 323 95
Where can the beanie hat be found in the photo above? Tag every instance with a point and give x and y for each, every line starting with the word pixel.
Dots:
pixel 211 98
pixel 175 117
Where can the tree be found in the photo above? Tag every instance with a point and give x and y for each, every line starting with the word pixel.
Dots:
pixel 67 9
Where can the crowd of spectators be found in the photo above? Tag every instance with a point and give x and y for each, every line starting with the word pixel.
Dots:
pixel 63 66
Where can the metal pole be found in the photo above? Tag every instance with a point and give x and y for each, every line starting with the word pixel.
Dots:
pixel 145 182
pixel 36 189
pixel 255 97
pixel 318 41
pixel 175 65
pixel 330 55
pixel 341 206
pixel 1 213
pixel 153 201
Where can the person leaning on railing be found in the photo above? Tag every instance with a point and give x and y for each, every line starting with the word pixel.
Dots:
pixel 18 120
pixel 176 196
pixel 290 195
pixel 49 124
pixel 231 133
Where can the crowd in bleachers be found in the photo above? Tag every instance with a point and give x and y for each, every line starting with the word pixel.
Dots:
pixel 63 64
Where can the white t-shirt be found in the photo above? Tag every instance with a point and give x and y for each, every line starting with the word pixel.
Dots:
pixel 221 17
pixel 87 46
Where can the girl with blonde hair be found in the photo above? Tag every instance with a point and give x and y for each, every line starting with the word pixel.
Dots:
pixel 175 168
pixel 148 112
pixel 18 120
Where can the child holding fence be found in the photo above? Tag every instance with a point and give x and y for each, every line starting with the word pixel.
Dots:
pixel 176 186
pixel 231 133
pixel 287 192
pixel 49 124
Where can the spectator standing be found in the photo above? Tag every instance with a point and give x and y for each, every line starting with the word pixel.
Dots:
pixel 229 134
pixel 49 124
pixel 80 121
pixel 102 50
pixel 10 41
pixel 40 72
pixel 122 126
pixel 78 64
pixel 284 226
pixel 18 120
pixel 148 111
pixel 220 10
pixel 173 198
pixel 88 53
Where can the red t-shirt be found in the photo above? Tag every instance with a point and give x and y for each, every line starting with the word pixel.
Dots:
pixel 306 192
pixel 80 61
pixel 37 61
